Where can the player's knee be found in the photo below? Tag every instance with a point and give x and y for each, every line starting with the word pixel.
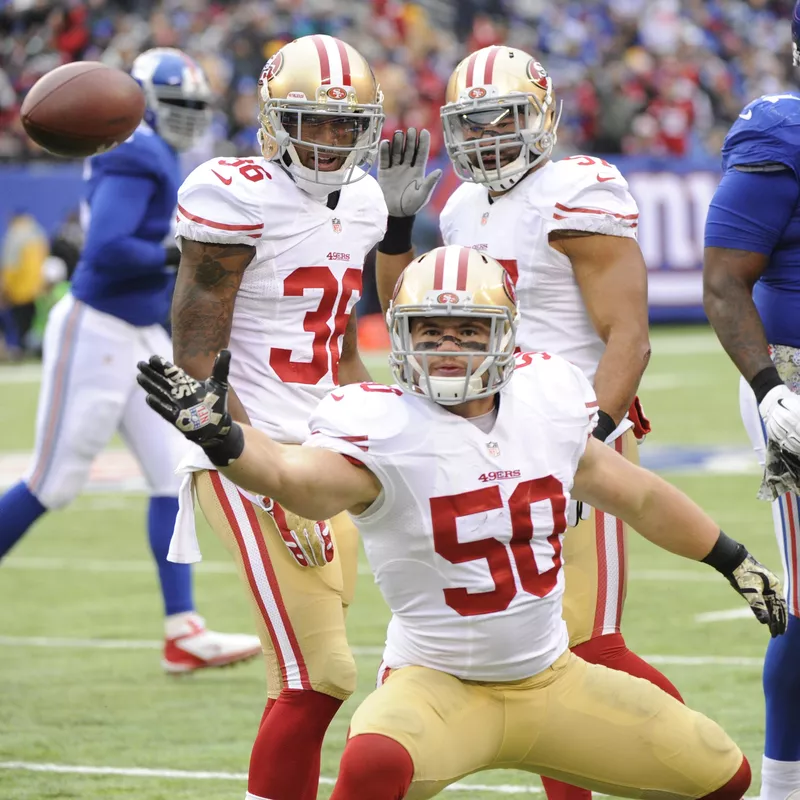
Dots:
pixel 374 766
pixel 338 675
pixel 735 788
pixel 54 496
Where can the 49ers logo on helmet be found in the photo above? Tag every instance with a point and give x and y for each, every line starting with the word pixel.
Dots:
pixel 477 92
pixel 538 74
pixel 336 93
pixel 508 287
pixel 272 67
pixel 447 297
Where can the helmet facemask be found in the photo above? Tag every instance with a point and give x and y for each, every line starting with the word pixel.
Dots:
pixel 495 140
pixel 180 121
pixel 324 143
pixel 488 368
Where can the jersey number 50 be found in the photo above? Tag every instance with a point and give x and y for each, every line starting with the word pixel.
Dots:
pixel 445 511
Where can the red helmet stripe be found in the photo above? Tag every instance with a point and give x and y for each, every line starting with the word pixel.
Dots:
pixel 463 260
pixel 471 68
pixel 346 80
pixel 489 68
pixel 324 62
pixel 438 275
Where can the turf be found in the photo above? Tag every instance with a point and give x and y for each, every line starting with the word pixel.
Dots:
pixel 84 574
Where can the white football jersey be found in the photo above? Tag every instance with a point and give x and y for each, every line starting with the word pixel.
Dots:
pixel 465 539
pixel 297 294
pixel 578 193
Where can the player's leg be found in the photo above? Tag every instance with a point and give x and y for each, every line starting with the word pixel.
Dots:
pixel 780 769
pixel 604 730
pixel 299 612
pixel 80 402
pixel 418 732
pixel 595 571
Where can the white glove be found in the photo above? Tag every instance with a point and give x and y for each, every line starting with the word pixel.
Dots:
pixel 577 510
pixel 780 410
pixel 401 172
pixel 309 541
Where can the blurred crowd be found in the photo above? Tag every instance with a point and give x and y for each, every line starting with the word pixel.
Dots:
pixel 664 77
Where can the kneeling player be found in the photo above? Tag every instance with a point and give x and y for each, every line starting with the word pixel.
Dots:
pixel 458 483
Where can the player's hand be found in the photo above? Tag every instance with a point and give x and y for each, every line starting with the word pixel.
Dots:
pixel 198 410
pixel 762 589
pixel 401 172
pixel 309 541
pixel 780 410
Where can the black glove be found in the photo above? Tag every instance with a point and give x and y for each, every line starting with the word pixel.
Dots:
pixel 172 256
pixel 752 580
pixel 198 410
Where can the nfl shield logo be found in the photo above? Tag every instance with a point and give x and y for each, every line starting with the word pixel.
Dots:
pixel 485 218
pixel 493 448
pixel 337 225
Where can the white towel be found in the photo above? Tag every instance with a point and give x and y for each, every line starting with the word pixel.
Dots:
pixel 183 547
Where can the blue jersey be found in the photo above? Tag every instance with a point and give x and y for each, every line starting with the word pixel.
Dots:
pixel 131 196
pixel 757 207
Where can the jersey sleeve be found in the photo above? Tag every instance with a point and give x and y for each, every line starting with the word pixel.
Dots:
pixel 750 210
pixel 365 423
pixel 211 210
pixel 568 400
pixel 447 219
pixel 376 210
pixel 593 198
pixel 765 135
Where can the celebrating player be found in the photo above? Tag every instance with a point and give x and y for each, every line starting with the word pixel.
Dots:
pixel 566 233
pixel 752 299
pixel 273 250
pixel 114 313
pixel 458 480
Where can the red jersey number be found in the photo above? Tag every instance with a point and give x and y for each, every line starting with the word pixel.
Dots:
pixel 446 510
pixel 326 324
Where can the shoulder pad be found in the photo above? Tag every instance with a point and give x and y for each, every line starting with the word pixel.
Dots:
pixel 141 154
pixel 587 194
pixel 364 418
pixel 766 132
pixel 224 201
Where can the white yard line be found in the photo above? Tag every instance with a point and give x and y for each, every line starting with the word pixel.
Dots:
pixel 152 644
pixel 142 772
pixel 724 616
pixel 34 563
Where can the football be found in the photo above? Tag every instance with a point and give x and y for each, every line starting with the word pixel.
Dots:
pixel 81 109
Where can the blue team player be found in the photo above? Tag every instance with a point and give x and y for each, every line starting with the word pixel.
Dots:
pixel 112 318
pixel 752 298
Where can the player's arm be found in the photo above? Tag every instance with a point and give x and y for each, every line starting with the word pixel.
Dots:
pixel 612 277
pixel 351 367
pixel 745 221
pixel 406 189
pixel 118 207
pixel 671 520
pixel 208 279
pixel 313 483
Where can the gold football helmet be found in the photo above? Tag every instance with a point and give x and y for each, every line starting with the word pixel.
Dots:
pixel 500 117
pixel 320 112
pixel 459 282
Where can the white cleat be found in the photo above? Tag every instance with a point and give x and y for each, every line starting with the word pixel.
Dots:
pixel 190 646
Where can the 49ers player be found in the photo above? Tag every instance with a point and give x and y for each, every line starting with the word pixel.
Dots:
pixel 272 255
pixel 458 479
pixel 566 232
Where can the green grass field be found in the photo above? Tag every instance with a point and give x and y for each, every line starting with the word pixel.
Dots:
pixel 85 711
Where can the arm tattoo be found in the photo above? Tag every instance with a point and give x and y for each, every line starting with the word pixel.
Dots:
pixel 202 308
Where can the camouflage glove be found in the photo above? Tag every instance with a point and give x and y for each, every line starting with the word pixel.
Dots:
pixel 764 593
pixel 198 410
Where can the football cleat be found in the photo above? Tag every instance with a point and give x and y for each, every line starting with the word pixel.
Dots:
pixel 190 646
